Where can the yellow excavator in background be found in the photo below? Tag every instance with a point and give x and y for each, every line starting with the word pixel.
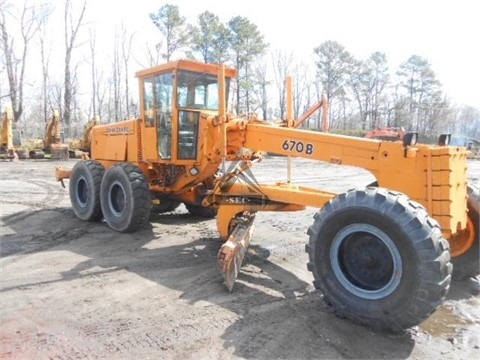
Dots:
pixel 53 142
pixel 82 146
pixel 381 254
pixel 11 140
pixel 473 147
pixel 6 141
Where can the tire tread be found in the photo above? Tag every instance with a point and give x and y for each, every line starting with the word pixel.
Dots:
pixel 432 251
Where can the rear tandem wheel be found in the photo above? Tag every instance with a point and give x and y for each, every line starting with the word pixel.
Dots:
pixel 125 197
pixel 379 259
pixel 84 189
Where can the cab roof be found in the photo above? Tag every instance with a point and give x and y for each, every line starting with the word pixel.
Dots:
pixel 184 64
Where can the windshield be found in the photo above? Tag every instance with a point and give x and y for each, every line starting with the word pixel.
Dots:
pixel 198 90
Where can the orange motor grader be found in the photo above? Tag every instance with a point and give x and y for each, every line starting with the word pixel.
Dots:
pixel 380 254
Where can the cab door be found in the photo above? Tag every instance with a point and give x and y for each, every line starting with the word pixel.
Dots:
pixel 159 114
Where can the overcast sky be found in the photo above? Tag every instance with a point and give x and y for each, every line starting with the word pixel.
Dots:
pixel 444 32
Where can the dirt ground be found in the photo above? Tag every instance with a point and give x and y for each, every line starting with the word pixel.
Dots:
pixel 78 290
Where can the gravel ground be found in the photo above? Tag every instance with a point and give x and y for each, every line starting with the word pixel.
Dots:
pixel 78 290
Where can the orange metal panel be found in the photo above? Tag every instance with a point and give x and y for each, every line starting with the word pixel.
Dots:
pixel 109 142
pixel 149 143
pixel 432 175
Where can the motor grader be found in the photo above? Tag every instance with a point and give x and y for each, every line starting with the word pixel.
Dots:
pixel 380 254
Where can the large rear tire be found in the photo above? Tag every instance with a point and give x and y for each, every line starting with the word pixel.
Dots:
pixel 467 264
pixel 125 197
pixel 84 189
pixel 379 259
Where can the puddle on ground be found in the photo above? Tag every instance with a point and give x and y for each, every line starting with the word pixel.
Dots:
pixel 443 322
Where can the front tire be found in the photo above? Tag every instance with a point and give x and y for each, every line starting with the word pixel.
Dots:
pixel 84 190
pixel 379 259
pixel 125 197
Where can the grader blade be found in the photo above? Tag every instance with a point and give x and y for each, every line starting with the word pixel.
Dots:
pixel 232 252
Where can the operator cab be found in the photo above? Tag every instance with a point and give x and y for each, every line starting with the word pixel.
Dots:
pixel 173 96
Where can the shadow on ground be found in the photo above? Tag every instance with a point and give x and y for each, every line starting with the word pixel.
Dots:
pixel 278 315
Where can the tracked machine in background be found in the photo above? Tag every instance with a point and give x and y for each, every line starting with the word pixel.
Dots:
pixel 10 139
pixel 80 148
pixel 473 147
pixel 86 141
pixel 53 142
pixel 380 254
pixel 6 142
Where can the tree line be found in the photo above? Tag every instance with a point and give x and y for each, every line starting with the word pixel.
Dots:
pixel 363 93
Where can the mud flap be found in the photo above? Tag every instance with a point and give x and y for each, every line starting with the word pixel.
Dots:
pixel 232 252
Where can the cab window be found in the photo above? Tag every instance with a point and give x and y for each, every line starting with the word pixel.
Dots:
pixel 197 90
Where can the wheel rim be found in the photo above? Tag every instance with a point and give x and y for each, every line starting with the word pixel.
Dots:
pixel 366 261
pixel 82 192
pixel 117 199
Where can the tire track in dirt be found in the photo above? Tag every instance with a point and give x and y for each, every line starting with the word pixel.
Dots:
pixel 33 220
pixel 13 244
pixel 38 194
